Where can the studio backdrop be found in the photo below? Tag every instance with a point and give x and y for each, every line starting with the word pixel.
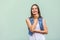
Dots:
pixel 13 14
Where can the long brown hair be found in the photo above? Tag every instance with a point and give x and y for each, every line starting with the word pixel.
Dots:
pixel 38 10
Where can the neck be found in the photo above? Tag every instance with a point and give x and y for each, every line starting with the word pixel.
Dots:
pixel 36 16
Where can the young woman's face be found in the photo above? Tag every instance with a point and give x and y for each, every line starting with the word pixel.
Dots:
pixel 34 10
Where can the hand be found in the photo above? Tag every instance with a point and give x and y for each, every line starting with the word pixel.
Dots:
pixel 36 20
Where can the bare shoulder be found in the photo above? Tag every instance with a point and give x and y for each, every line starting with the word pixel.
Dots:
pixel 44 23
pixel 44 20
pixel 27 20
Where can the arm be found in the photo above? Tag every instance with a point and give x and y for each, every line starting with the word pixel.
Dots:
pixel 30 26
pixel 45 31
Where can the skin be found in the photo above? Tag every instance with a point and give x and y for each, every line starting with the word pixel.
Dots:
pixel 32 27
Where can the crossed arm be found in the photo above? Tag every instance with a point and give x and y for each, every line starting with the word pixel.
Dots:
pixel 32 27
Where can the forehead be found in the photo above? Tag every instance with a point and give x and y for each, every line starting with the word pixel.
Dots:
pixel 34 6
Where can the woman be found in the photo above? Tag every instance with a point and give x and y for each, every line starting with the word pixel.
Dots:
pixel 36 24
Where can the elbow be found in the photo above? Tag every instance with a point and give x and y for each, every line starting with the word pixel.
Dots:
pixel 46 32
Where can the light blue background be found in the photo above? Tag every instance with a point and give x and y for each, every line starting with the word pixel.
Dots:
pixel 14 12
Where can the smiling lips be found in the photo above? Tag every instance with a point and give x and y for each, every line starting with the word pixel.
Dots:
pixel 34 12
